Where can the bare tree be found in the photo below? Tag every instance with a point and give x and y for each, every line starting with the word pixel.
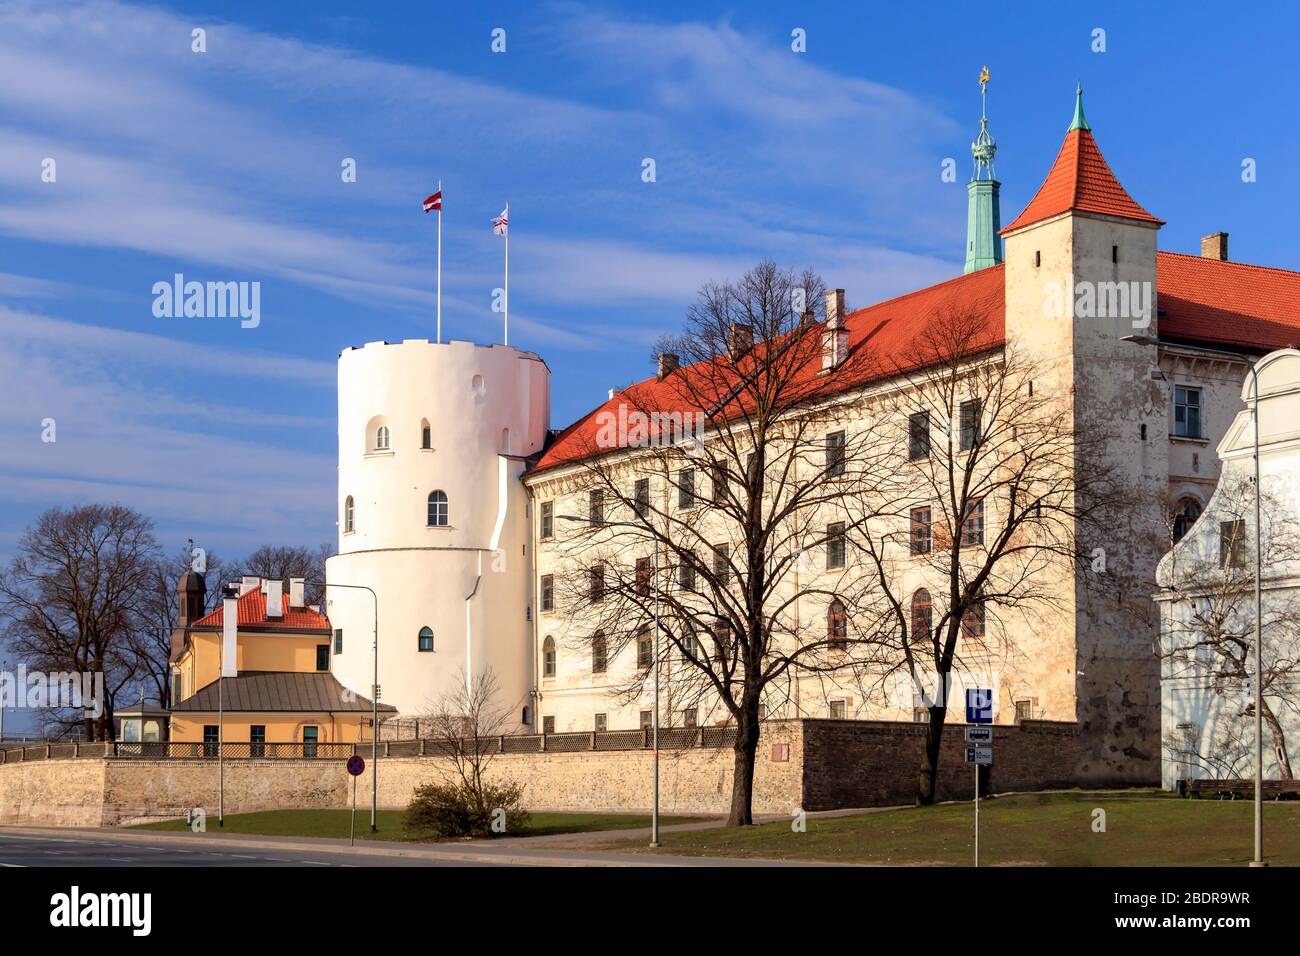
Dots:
pixel 734 467
pixel 149 644
pixel 281 562
pixel 73 594
pixel 989 520
pixel 1209 639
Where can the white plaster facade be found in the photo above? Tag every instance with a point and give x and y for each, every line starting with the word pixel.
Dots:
pixel 1200 716
pixel 465 578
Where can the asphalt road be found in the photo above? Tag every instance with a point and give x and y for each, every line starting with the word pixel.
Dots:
pixel 40 847
pixel 29 850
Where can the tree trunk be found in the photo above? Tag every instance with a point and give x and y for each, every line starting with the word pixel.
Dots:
pixel 742 778
pixel 1279 743
pixel 928 781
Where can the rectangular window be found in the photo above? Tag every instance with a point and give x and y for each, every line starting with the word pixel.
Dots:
pixel 972 621
pixel 310 736
pixel 721 563
pixel 686 571
pixel 599 654
pixel 718 478
pixel 839 709
pixel 548 592
pixel 547 521
pixel 921 715
pixel 1024 710
pixel 257 740
pixel 835 453
pixel 686 488
pixel 970 424
pixel 602 723
pixel 922 538
pixel 210 740
pixel 644 651
pixel 646 719
pixel 1232 543
pixel 596 506
pixel 548 725
pixel 972 526
pixel 918 436
pixel 1187 412
pixel 690 717
pixel 835 545
pixel 322 657
pixel 338 640
pixel 642 576
pixel 641 497
pixel 597 592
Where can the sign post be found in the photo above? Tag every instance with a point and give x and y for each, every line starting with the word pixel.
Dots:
pixel 979 711
pixel 356 767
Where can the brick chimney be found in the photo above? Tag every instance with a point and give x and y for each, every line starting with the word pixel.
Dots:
pixel 740 339
pixel 1215 246
pixel 835 340
pixel 668 363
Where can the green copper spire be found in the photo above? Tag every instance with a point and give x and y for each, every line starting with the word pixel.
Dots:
pixel 1080 121
pixel 983 208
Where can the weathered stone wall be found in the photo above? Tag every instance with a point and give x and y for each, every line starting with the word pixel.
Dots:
pixel 869 763
pixel 813 764
pixel 61 793
pixel 138 791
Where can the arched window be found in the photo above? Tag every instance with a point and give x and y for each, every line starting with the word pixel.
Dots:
pixel 548 657
pixel 437 509
pixel 922 615
pixel 348 524
pixel 837 625
pixel 599 653
pixel 426 434
pixel 381 439
pixel 426 639
pixel 1189 509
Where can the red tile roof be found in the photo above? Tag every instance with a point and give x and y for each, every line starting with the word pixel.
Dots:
pixel 881 338
pixel 1227 303
pixel 1080 179
pixel 252 613
pixel 1254 308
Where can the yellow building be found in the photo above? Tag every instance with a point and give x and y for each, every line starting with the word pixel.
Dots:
pixel 277 688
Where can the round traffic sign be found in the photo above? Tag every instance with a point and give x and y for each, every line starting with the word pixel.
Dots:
pixel 356 766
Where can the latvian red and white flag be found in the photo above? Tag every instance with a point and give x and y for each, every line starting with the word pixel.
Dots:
pixel 501 224
pixel 434 202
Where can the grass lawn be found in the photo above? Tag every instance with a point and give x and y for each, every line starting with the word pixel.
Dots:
pixel 334 823
pixel 1143 828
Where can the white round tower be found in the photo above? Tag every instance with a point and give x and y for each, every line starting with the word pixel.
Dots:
pixel 432 516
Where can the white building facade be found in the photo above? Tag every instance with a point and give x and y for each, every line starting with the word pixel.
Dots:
pixel 1207 605
pixel 433 518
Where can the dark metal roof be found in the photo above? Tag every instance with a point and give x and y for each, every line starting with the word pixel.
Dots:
pixel 279 691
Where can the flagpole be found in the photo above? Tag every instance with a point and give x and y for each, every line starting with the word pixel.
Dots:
pixel 440 263
pixel 506 336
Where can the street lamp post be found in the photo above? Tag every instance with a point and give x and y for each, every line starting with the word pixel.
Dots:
pixel 374 703
pixel 1259 608
pixel 654 716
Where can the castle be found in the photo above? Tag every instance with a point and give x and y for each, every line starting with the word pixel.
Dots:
pixel 454 494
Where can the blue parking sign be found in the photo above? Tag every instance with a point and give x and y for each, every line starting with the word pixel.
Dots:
pixel 979 705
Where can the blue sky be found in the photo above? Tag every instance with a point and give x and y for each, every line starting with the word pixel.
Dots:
pixel 226 166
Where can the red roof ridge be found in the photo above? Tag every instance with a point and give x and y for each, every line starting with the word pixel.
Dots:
pixel 924 289
pixel 1191 256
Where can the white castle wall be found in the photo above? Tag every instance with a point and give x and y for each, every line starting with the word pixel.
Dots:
pixel 486 407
